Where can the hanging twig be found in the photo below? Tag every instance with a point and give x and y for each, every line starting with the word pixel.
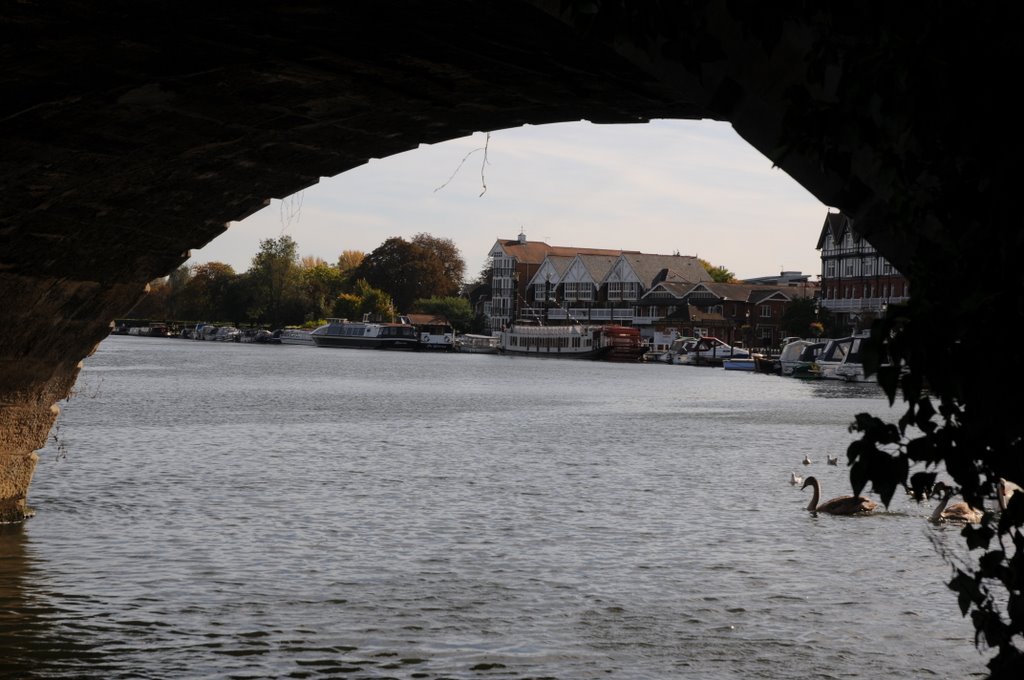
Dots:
pixel 483 180
pixel 291 210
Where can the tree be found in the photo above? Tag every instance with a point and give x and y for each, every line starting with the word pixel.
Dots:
pixel 320 284
pixel 798 316
pixel 274 273
pixel 451 259
pixel 204 294
pixel 405 271
pixel 455 309
pixel 364 300
pixel 718 274
pixel 155 303
pixel 349 260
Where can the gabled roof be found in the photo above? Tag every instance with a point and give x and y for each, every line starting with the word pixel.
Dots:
pixel 742 292
pixel 836 224
pixel 651 269
pixel 597 265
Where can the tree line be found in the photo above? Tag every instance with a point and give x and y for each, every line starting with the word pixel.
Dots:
pixel 280 288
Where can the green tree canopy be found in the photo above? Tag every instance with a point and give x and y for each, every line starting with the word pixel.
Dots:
pixel 405 271
pixel 456 309
pixel 718 274
pixel 451 259
pixel 204 295
pixel 275 277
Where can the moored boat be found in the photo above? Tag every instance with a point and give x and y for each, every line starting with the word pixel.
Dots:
pixel 707 351
pixel 798 356
pixel 477 344
pixel 294 336
pixel 366 335
pixel 573 341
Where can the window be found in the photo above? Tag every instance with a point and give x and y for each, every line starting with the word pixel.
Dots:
pixel 630 291
pixel 614 290
pixel 766 311
pixel 830 270
pixel 538 291
pixel 585 291
pixel 869 267
pixel 569 291
pixel 849 268
pixel 886 268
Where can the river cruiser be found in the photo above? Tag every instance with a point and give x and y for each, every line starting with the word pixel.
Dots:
pixel 574 341
pixel 366 335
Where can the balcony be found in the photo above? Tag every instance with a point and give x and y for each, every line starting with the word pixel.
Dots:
pixel 859 305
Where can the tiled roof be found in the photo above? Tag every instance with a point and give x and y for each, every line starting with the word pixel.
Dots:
pixel 534 252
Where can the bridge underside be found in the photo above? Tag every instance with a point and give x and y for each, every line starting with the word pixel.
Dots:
pixel 135 132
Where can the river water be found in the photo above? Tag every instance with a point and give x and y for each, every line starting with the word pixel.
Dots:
pixel 209 510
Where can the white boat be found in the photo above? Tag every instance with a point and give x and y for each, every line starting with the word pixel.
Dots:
pixel 707 351
pixel 294 336
pixel 797 358
pixel 840 352
pixel 677 348
pixel 477 344
pixel 574 341
pixel 740 364
pixel 366 335
pixel 228 334
pixel 436 337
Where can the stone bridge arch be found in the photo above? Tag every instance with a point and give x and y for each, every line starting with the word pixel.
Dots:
pixel 133 132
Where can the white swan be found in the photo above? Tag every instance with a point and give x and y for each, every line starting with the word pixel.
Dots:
pixel 1006 491
pixel 841 505
pixel 795 479
pixel 958 512
pixel 833 460
pixel 807 461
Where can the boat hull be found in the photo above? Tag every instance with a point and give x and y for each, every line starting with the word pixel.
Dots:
pixel 345 334
pixel 595 343
pixel 368 343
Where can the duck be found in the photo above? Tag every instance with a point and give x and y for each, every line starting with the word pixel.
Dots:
pixel 841 505
pixel 1006 491
pixel 795 479
pixel 807 460
pixel 833 460
pixel 958 512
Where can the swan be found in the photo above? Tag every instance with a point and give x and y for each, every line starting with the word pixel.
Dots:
pixel 843 505
pixel 833 460
pixel 807 461
pixel 795 479
pixel 1006 491
pixel 958 512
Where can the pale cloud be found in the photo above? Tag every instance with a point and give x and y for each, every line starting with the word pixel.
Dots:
pixel 689 186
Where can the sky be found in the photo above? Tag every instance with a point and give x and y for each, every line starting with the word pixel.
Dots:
pixel 692 187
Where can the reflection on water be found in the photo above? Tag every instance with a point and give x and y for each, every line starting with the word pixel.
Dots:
pixel 284 511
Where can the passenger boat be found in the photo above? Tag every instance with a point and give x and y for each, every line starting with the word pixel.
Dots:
pixel 477 344
pixel 366 335
pixel 574 341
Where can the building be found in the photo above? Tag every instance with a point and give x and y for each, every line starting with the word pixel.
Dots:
pixel 514 264
pixel 666 296
pixel 857 283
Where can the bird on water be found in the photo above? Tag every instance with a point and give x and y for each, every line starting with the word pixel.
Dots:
pixel 807 460
pixel 958 512
pixel 795 479
pixel 841 505
pixel 1006 491
pixel 833 460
